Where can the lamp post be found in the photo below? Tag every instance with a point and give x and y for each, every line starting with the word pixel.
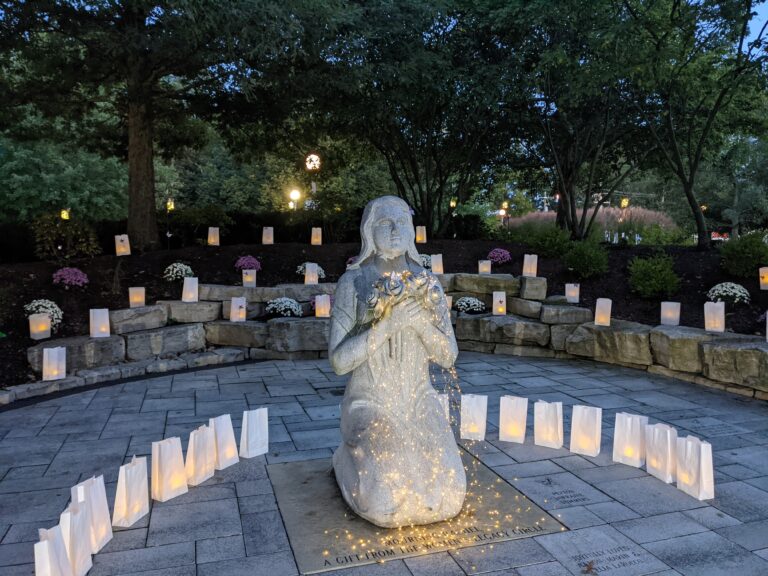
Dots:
pixel 312 164
pixel 294 195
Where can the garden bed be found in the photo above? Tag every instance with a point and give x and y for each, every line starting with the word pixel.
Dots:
pixel 110 278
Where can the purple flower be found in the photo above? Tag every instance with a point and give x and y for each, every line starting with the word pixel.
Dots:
pixel 247 263
pixel 70 278
pixel 499 256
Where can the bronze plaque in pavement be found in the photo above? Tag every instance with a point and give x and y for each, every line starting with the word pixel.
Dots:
pixel 326 535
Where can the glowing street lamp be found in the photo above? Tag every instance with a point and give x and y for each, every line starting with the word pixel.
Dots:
pixel 312 162
pixel 64 214
pixel 624 202
pixel 170 205
pixel 453 203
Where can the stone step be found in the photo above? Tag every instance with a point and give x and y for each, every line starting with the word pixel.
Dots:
pixel 298 334
pixel 191 312
pixel 626 343
pixel 299 292
pixel 162 341
pixel 248 334
pixel 253 309
pixel 554 314
pixel 134 319
pixel 82 352
pixel 509 329
pixel 533 288
pixel 486 283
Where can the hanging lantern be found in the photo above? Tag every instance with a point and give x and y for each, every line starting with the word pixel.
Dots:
pixel 169 478
pixel 548 424
pixel 54 363
pixel 603 312
pixel 500 303
pixel 421 234
pixel 254 435
pixel 670 313
pixel 530 265
pixel 136 297
pixel 189 292
pixel 76 531
pixel 122 245
pixel 764 278
pixel 39 326
pixel 201 455
pixel 317 237
pixel 93 495
pixel 238 309
pixel 572 293
pixel 310 273
pixel 437 263
pixel 714 316
pixel 51 554
pixel 132 495
pixel 249 278
pixel 474 410
pixel 661 451
pixel 99 323
pixel 213 236
pixel 695 474
pixel 268 235
pixel 586 430
pixel 483 266
pixel 226 448
pixel 629 439
pixel 513 417
pixel 323 306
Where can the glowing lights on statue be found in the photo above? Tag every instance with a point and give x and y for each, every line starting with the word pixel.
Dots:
pixel 670 313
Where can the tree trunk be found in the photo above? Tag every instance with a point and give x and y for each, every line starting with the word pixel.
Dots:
pixel 142 215
pixel 701 224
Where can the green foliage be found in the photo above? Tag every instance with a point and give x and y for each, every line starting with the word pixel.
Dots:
pixel 586 259
pixel 655 235
pixel 654 276
pixel 194 222
pixel 548 241
pixel 743 257
pixel 61 241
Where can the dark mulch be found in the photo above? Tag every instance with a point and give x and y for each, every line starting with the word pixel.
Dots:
pixel 110 278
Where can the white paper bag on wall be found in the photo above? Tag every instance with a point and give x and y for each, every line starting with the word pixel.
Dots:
pixel 201 455
pixel 629 439
pixel 661 451
pixel 695 474
pixel 92 494
pixel 586 430
pixel 474 411
pixel 513 418
pixel 548 424
pixel 226 447
pixel 169 479
pixel 76 529
pixel 254 435
pixel 51 554
pixel 132 496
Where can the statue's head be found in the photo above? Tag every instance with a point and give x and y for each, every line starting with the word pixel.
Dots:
pixel 387 230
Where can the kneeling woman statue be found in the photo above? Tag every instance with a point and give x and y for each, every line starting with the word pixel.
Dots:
pixel 398 463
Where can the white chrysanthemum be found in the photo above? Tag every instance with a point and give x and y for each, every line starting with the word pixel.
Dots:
pixel 284 307
pixel 426 261
pixel 177 271
pixel 320 272
pixel 469 304
pixel 729 293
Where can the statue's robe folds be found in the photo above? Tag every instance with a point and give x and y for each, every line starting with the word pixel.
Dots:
pixel 398 463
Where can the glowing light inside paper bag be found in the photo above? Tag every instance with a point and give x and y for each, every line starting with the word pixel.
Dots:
pixel 99 323
pixel 714 316
pixel 603 312
pixel 670 313
pixel 530 265
pixel 39 326
pixel 137 297
pixel 572 293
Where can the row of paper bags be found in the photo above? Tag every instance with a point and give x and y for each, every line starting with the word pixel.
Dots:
pixel 635 442
pixel 85 527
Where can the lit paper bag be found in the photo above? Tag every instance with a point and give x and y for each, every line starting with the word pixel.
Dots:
pixel 169 479
pixel 586 429
pixel 201 455
pixel 51 554
pixel 122 245
pixel 661 451
pixel 226 447
pixel 76 529
pixel 92 494
pixel 629 439
pixel 189 291
pixel 238 309
pixel 445 404
pixel 474 410
pixel 132 496
pixel 254 435
pixel 548 424
pixel 513 418
pixel 695 474
pixel 55 363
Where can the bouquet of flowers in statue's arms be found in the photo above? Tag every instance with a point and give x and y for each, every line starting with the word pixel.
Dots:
pixel 393 288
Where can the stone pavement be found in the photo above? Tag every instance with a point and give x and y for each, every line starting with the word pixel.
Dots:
pixel 621 520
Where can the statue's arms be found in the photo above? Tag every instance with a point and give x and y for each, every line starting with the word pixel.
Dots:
pixel 436 333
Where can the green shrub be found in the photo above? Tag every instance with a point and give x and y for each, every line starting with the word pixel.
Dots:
pixel 586 259
pixel 548 241
pixel 654 276
pixel 743 257
pixel 60 241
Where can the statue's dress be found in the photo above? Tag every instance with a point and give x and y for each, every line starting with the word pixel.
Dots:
pixel 398 463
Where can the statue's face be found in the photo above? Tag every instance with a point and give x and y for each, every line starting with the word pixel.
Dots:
pixel 392 231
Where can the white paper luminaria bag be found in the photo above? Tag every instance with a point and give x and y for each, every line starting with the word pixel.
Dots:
pixel 169 479
pixel 629 439
pixel 586 430
pixel 254 435
pixel 226 447
pixel 201 455
pixel 513 417
pixel 51 554
pixel 474 411
pixel 548 424
pixel 76 529
pixel 132 496
pixel 695 474
pixel 661 451
pixel 92 494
